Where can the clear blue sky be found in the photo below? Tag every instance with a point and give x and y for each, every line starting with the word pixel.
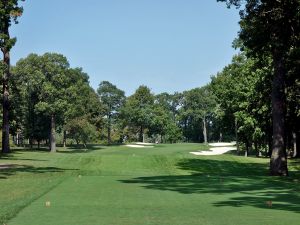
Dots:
pixel 168 45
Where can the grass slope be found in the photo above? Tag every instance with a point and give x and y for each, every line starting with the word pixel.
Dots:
pixel 163 185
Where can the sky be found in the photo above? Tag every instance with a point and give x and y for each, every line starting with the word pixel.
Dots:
pixel 167 45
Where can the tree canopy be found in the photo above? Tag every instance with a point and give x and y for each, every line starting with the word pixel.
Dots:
pixel 112 99
pixel 9 13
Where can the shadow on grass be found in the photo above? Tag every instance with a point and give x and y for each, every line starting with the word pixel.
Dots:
pixel 7 170
pixel 59 149
pixel 295 162
pixel 27 149
pixel 21 159
pixel 222 167
pixel 239 184
pixel 80 149
pixel 17 156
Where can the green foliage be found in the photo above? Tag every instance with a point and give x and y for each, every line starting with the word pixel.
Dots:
pixel 41 84
pixel 173 133
pixel 197 106
pixel 269 26
pixel 45 85
pixel 52 98
pixel 242 91
pixel 138 110
pixel 271 30
pixel 9 12
pixel 111 97
pixel 82 99
pixel 112 100
pixel 80 130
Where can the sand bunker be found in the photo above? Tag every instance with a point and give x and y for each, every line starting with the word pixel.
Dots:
pixel 223 148
pixel 135 146
pixel 144 143
pixel 139 146
pixel 222 144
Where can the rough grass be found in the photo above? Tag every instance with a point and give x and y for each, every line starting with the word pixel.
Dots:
pixel 162 185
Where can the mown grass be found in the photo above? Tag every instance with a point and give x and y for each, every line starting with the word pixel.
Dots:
pixel 162 185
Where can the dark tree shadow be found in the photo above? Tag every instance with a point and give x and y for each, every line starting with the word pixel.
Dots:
pixel 28 149
pixel 17 156
pixel 10 158
pixel 60 149
pixel 7 170
pixel 249 180
pixel 80 149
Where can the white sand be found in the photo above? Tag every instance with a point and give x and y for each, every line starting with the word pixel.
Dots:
pixel 224 147
pixel 138 146
pixel 143 143
pixel 222 144
pixel 135 146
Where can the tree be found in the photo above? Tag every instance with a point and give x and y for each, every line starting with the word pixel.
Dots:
pixel 47 86
pixel 27 81
pixel 165 113
pixel 271 28
pixel 53 95
pixel 198 105
pixel 170 103
pixel 162 124
pixel 81 130
pixel 242 90
pixel 44 82
pixel 112 99
pixel 9 12
pixel 82 100
pixel 138 110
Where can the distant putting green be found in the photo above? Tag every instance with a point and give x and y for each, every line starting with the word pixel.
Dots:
pixel 161 185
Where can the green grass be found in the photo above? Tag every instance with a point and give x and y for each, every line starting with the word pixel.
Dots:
pixel 126 186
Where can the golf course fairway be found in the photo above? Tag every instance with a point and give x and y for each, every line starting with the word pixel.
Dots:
pixel 163 185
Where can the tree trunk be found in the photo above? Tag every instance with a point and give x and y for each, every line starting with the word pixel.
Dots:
pixel 5 92
pixel 294 144
pixel 236 137
pixel 141 136
pixel 256 148
pixel 52 134
pixel 31 142
pixel 65 139
pixel 278 162
pixel 247 148
pixel 109 130
pixel 204 130
pixel 18 139
pixel 270 144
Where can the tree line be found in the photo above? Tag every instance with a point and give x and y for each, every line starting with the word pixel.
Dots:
pixel 49 99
